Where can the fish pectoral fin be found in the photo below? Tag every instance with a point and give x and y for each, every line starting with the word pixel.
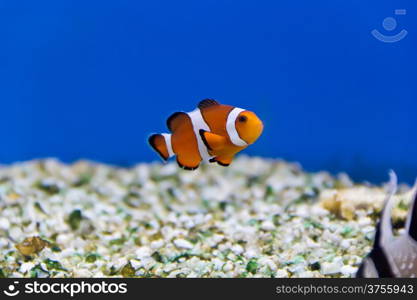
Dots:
pixel 224 161
pixel 213 142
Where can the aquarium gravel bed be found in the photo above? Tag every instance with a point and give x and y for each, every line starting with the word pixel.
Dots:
pixel 256 218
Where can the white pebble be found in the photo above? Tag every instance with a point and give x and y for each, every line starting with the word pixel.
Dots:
pixel 16 233
pixel 157 244
pixel 4 224
pixel 330 268
pixel 181 243
pixel 345 244
pixel 25 267
pixel 237 249
pixel 82 273
pixel 281 274
pixel 228 266
pixel 250 254
pixel 143 252
pixel 348 270
pixel 268 225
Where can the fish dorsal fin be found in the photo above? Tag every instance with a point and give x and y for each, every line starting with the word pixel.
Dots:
pixel 207 103
pixel 385 225
pixel 176 119
pixel 411 225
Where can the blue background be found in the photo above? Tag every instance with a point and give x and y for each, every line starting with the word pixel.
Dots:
pixel 91 79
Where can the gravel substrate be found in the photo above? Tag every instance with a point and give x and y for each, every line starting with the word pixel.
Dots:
pixel 256 218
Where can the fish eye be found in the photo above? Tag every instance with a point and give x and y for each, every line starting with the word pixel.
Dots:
pixel 243 119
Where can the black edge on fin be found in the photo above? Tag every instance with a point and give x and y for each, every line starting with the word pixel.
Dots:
pixel 367 269
pixel 207 103
pixel 152 144
pixel 212 160
pixel 412 218
pixel 383 234
pixel 202 131
pixel 222 164
pixel 185 167
pixel 173 117
pixel 381 264
pixel 378 259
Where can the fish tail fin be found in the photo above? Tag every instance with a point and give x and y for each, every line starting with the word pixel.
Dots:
pixel 161 143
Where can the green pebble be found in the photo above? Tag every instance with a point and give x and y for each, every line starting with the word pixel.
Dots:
pixel 252 266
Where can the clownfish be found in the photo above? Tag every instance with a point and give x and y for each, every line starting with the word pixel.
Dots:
pixel 213 132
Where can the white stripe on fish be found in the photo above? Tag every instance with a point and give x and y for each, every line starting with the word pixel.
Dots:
pixel 199 123
pixel 231 127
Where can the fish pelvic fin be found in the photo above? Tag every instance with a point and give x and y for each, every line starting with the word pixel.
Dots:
pixel 223 161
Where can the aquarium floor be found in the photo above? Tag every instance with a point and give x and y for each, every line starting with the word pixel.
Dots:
pixel 256 218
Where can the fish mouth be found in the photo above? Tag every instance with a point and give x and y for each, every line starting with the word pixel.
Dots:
pixel 261 125
pixel 259 128
pixel 257 131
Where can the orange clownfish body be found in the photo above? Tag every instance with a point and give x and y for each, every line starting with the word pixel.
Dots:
pixel 213 132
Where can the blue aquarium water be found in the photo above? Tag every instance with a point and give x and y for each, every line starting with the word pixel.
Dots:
pixel 333 81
